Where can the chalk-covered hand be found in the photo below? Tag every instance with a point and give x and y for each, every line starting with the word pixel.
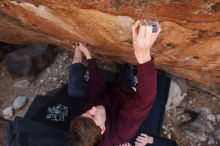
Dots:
pixel 143 140
pixel 143 39
pixel 85 50
pixel 77 55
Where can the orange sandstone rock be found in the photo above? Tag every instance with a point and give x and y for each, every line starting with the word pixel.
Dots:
pixel 188 46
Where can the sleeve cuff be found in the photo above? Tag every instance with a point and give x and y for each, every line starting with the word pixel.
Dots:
pixel 147 66
pixel 92 60
pixel 155 142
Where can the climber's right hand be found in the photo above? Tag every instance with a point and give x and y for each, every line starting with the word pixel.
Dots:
pixel 143 39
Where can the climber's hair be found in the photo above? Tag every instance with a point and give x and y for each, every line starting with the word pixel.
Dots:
pixel 84 132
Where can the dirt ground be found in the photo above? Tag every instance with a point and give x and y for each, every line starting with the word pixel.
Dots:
pixel 56 75
pixel 194 101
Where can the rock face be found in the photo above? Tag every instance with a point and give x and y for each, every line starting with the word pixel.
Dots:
pixel 31 59
pixel 178 90
pixel 188 45
pixel 6 48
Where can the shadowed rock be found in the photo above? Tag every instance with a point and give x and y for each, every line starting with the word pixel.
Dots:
pixel 178 90
pixel 7 48
pixel 31 59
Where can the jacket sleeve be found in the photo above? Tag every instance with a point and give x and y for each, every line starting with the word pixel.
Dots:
pixel 159 141
pixel 147 83
pixel 77 86
pixel 96 84
pixel 134 111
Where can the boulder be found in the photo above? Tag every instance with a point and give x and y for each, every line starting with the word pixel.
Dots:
pixel 7 48
pixel 177 92
pixel 188 45
pixel 31 59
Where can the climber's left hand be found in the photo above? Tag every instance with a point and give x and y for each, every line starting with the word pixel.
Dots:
pixel 85 50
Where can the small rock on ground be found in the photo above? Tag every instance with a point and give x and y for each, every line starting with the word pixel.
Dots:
pixel 7 112
pixel 19 102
